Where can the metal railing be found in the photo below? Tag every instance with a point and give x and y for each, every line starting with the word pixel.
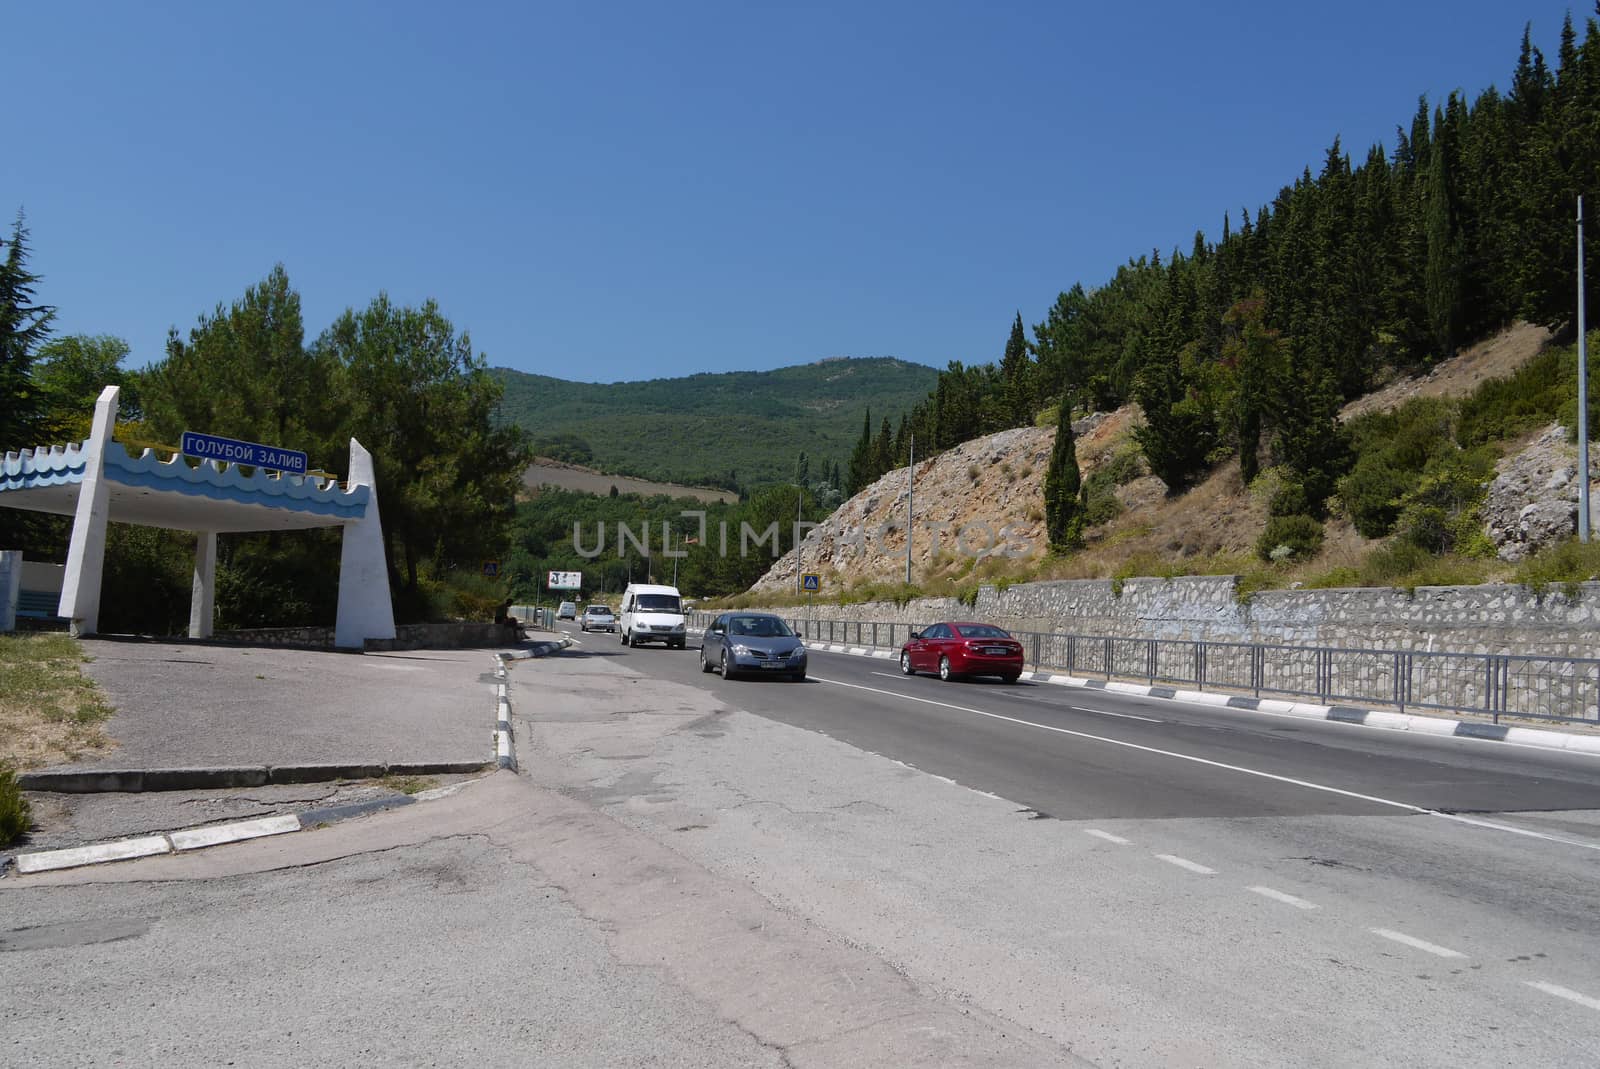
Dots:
pixel 1540 687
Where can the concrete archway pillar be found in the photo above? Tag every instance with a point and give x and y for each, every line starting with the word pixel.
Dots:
pixel 86 553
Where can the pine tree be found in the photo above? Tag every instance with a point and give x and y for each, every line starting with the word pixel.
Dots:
pixel 882 451
pixel 859 473
pixel 802 469
pixel 1016 379
pixel 1063 504
pixel 24 325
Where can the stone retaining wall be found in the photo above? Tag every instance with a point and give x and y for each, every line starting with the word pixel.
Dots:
pixel 1499 620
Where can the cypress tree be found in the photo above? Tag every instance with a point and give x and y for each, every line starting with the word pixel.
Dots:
pixel 858 474
pixel 1063 505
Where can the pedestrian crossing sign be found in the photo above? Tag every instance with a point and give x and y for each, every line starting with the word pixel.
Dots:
pixel 810 581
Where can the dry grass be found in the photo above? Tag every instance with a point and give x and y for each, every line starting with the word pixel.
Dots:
pixel 546 472
pixel 49 712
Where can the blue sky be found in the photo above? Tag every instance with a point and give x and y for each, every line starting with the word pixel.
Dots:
pixel 625 191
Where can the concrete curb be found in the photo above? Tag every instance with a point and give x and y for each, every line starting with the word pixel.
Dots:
pixel 136 780
pixel 207 835
pixel 1543 738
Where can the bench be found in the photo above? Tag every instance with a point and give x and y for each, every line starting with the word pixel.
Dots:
pixel 39 605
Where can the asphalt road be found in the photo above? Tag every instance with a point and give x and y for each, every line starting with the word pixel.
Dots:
pixel 1079 754
pixel 1147 882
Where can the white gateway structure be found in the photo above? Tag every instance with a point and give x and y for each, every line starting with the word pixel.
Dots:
pixel 97 481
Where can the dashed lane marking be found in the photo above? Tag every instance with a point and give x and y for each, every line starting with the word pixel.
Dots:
pixel 1307 784
pixel 1565 992
pixel 1417 944
pixel 1284 897
pixel 1185 863
pixel 1107 836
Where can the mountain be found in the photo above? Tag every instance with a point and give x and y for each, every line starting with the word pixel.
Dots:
pixel 702 429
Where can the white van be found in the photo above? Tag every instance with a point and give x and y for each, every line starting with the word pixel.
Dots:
pixel 652 614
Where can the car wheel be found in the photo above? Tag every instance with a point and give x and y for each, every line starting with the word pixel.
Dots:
pixel 727 673
pixel 632 640
pixel 798 677
pixel 1009 679
pixel 905 664
pixel 679 645
pixel 944 669
pixel 705 665
pixel 623 637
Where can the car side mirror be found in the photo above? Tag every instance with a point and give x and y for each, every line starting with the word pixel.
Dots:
pixel 916 634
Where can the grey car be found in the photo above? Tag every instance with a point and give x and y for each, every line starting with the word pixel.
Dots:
pixel 757 643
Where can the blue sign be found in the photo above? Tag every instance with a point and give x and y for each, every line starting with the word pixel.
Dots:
pixel 210 447
pixel 491 569
pixel 810 581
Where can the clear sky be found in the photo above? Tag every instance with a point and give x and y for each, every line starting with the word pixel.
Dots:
pixel 634 190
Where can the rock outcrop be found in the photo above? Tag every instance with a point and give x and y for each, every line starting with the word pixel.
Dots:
pixel 1533 501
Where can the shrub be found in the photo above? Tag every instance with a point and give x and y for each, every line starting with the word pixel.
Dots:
pixel 1290 500
pixel 14 809
pixel 1286 537
pixel 1567 563
pixel 1541 391
pixel 1443 512
pixel 1393 450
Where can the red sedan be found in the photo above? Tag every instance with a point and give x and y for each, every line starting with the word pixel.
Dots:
pixel 962 649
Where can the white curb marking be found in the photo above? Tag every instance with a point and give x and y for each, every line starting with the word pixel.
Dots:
pixel 196 838
pixel 1185 863
pixel 50 860
pixel 1565 992
pixel 1107 836
pixel 1285 898
pixel 1417 944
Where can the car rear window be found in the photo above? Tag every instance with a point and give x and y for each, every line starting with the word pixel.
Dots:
pixel 981 631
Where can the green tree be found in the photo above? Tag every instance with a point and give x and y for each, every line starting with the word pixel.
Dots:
pixel 69 375
pixel 859 474
pixel 24 326
pixel 1016 379
pixel 1063 504
pixel 245 372
pixel 420 400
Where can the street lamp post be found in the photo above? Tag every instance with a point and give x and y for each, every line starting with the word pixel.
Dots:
pixel 1583 396
pixel 911 488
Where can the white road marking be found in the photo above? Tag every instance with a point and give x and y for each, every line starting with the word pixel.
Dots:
pixel 1123 716
pixel 1565 992
pixel 1185 863
pixel 1308 785
pixel 1417 944
pixel 1107 836
pixel 1286 899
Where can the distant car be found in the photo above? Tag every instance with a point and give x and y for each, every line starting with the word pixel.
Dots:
pixel 754 642
pixel 598 618
pixel 956 648
pixel 567 611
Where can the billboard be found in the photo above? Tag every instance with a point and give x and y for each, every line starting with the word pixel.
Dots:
pixel 565 581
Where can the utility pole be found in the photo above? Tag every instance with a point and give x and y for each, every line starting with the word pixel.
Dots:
pixel 911 489
pixel 1583 396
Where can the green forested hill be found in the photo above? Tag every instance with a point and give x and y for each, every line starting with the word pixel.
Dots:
pixel 744 427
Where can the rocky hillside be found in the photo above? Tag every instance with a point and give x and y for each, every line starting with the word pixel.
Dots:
pixel 992 489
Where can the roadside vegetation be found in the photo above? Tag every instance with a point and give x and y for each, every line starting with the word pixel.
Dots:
pixel 49 711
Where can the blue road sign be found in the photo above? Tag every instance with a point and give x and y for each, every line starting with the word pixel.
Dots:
pixel 491 569
pixel 211 447
pixel 810 581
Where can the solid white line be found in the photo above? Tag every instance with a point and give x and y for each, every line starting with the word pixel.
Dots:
pixel 1107 836
pixel 215 835
pixel 1417 944
pixel 1185 863
pixel 1287 899
pixel 1565 992
pixel 1123 716
pixel 1407 806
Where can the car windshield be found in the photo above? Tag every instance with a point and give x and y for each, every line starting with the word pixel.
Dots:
pixel 981 631
pixel 759 627
pixel 656 603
